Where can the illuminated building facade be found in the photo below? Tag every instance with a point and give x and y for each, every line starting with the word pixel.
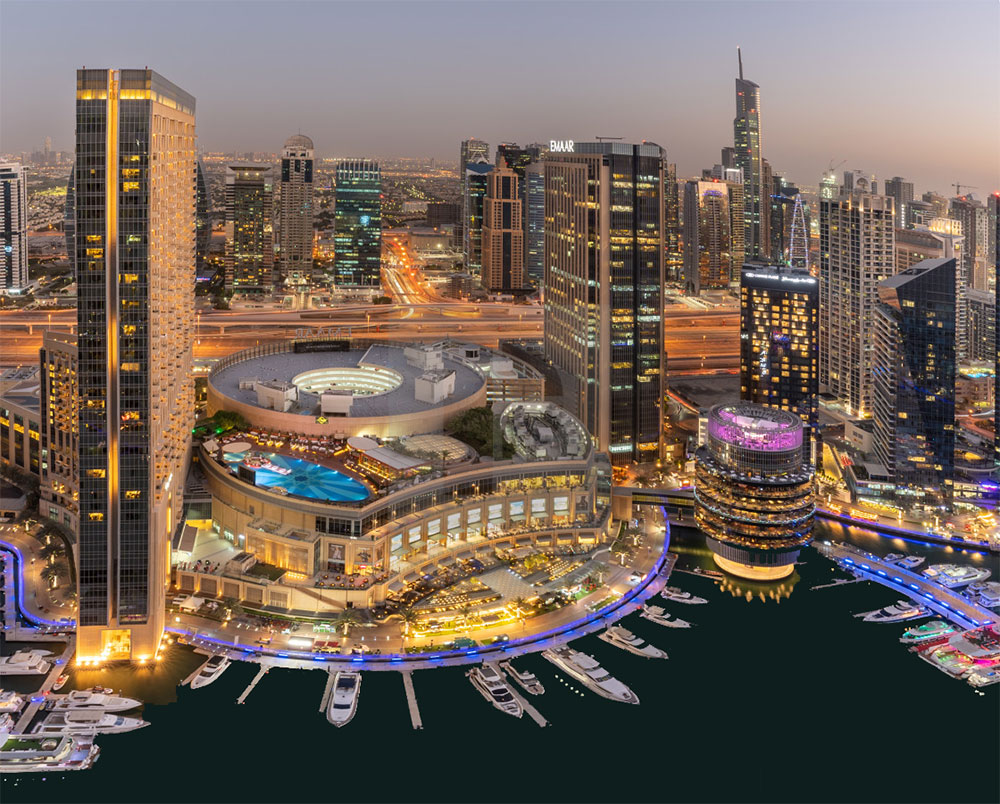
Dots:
pixel 901 192
pixel 856 253
pixel 13 227
pixel 915 369
pixel 779 344
pixel 471 151
pixel 59 402
pixel 748 155
pixel 135 256
pixel 203 221
pixel 708 258
pixel 753 492
pixel 994 205
pixel 249 261
pixel 296 219
pixel 503 232
pixel 972 217
pixel 357 224
pixel 604 248
pixel 476 182
pixel 534 224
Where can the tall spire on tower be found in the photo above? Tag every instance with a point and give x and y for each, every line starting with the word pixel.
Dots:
pixel 739 55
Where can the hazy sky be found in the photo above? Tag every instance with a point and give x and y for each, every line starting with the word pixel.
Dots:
pixel 905 88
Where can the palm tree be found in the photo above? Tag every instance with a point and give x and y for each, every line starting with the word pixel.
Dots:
pixel 465 611
pixel 346 619
pixel 519 606
pixel 50 575
pixel 50 550
pixel 409 617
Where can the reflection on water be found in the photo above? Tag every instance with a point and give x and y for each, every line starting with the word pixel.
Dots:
pixel 152 684
pixel 753 590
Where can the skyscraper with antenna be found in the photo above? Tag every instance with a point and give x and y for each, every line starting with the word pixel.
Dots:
pixel 748 156
pixel 798 245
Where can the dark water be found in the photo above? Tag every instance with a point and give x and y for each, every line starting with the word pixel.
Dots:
pixel 778 694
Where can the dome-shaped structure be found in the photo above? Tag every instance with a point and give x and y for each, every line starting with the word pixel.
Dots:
pixel 298 141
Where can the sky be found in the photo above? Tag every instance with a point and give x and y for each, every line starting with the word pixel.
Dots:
pixel 893 88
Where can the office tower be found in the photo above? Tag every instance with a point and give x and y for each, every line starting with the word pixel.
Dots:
pixel 914 368
pixel 249 260
pixel 779 343
pixel 980 325
pixel 782 210
pixel 829 187
pixel 994 205
pixel 472 150
pixel 901 191
pixel 973 218
pixel 59 488
pixel 357 224
pixel 798 247
pixel 733 177
pixel 295 234
pixel 135 254
pixel 503 232
pixel 203 221
pixel 754 494
pixel 748 147
pixel 534 224
pixel 938 202
pixel 858 180
pixel 728 157
pixel 13 227
pixel 918 213
pixel 517 158
pixel 476 178
pixel 673 266
pixel 604 243
pixel 69 219
pixel 708 259
pixel 856 253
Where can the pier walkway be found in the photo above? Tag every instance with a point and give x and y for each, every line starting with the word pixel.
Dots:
pixel 264 669
pixel 411 699
pixel 533 713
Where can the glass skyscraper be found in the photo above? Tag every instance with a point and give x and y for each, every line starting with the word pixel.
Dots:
pixel 13 227
pixel 357 238
pixel 296 219
pixel 249 261
pixel 748 155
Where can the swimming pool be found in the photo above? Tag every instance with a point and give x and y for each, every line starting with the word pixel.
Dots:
pixel 307 479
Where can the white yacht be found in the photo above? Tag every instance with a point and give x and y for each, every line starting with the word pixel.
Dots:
pixel 491 685
pixel 210 671
pixel 10 701
pixel 527 681
pixel 680 596
pixel 87 700
pixel 84 722
pixel 893 558
pixel 622 638
pixel 25 663
pixel 926 632
pixel 901 610
pixel 588 671
pixel 6 724
pixel 344 699
pixel 659 615
pixel 987 592
pixel 910 562
pixel 952 576
pixel 37 755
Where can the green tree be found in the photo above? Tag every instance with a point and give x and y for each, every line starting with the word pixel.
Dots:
pixel 346 619
pixel 409 618
pixel 50 574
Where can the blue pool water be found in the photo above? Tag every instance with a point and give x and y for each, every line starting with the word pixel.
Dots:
pixel 308 479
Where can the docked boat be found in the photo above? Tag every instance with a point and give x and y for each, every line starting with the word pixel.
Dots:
pixel 910 562
pixel 898 612
pixel 344 700
pixel 680 596
pixel 210 671
pixel 10 701
pixel 6 724
pixel 27 754
pixel 660 616
pixel 586 669
pixel 25 663
pixel 60 682
pixel 925 632
pixel 527 681
pixel 622 638
pixel 984 677
pixel 491 685
pixel 893 558
pixel 76 721
pixel 952 576
pixel 89 701
pixel 986 592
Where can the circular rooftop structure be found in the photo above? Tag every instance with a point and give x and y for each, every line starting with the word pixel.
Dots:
pixel 298 141
pixel 362 380
pixel 754 439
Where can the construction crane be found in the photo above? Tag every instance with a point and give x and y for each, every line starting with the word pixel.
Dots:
pixel 958 187
pixel 833 167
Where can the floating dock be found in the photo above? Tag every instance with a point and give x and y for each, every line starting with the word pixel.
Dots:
pixel 256 680
pixel 533 713
pixel 411 700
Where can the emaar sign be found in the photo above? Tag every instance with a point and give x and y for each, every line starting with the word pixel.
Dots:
pixel 561 146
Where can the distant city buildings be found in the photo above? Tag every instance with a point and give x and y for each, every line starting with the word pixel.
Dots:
pixel 901 192
pixel 357 237
pixel 13 228
pixel 471 151
pixel 973 218
pixel 249 257
pixel 503 232
pixel 296 218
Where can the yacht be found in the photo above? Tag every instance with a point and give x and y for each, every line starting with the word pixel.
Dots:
pixel 491 685
pixel 659 615
pixel 25 754
pixel 622 638
pixel 952 576
pixel 680 596
pixel 10 701
pixel 910 562
pixel 984 677
pixel 25 663
pixel 344 700
pixel 210 671
pixel 901 610
pixel 587 671
pixel 83 722
pixel 60 682
pixel 925 632
pixel 987 593
pixel 6 724
pixel 893 558
pixel 527 681
pixel 86 700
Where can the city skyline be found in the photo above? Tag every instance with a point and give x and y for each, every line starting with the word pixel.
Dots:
pixel 544 92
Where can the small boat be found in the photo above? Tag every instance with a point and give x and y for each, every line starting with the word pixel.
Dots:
pixel 59 752
pixel 60 682
pixel 83 722
pixel 25 663
pixel 680 596
pixel 910 562
pixel 210 671
pixel 344 700
pixel 81 700
pixel 952 576
pixel 659 615
pixel 898 612
pixel 587 670
pixel 984 677
pixel 491 685
pixel 893 558
pixel 527 681
pixel 6 724
pixel 622 638
pixel 925 632
pixel 10 701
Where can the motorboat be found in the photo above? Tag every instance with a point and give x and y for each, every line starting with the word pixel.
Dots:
pixel 87 700
pixel 84 722
pixel 660 616
pixel 60 682
pixel 680 596
pixel 984 677
pixel 898 612
pixel 25 754
pixel 6 724
pixel 925 632
pixel 491 685
pixel 25 663
pixel 893 558
pixel 10 701
pixel 621 637
pixel 344 700
pixel 210 671
pixel 527 681
pixel 587 670
pixel 986 592
pixel 952 576
pixel 910 562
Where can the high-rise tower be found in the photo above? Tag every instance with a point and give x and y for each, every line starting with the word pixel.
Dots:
pixel 13 228
pixel 901 191
pixel 135 255
pixel 357 224
pixel 249 261
pixel 748 155
pixel 503 232
pixel 708 244
pixel 296 220
pixel 472 150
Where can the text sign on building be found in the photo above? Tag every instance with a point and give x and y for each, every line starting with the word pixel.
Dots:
pixel 561 146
